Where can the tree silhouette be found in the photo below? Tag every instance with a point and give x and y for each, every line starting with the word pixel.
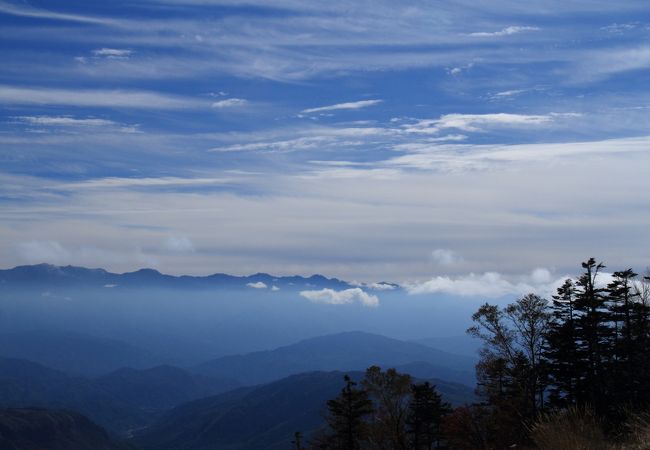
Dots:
pixel 425 414
pixel 346 417
pixel 391 393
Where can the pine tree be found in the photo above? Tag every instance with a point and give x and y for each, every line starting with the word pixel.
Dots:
pixel 346 417
pixel 560 347
pixel 640 337
pixel 593 336
pixel 620 296
pixel 425 414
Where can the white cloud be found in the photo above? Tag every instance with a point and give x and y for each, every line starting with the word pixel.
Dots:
pixel 489 284
pixel 344 297
pixel 257 285
pixel 349 105
pixel 507 94
pixel 460 69
pixel 315 138
pixel 541 276
pixel 477 122
pixel 117 182
pixel 445 257
pixel 505 32
pixel 620 28
pixel 493 284
pixel 113 52
pixel 304 143
pixel 179 244
pixel 465 158
pixel 602 63
pixel 26 11
pixel 275 288
pixel 100 98
pixel 65 121
pixel 230 103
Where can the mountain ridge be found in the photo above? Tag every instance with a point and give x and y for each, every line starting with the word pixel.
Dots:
pixel 352 350
pixel 260 417
pixel 44 273
pixel 38 429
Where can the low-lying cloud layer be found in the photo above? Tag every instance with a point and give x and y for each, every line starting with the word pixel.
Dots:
pixel 344 297
pixel 494 285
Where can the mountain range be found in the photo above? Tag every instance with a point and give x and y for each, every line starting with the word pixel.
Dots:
pixel 129 399
pixel 46 429
pixel 40 275
pixel 264 417
pixel 183 320
pixel 341 351
pixel 218 361
pixel 120 401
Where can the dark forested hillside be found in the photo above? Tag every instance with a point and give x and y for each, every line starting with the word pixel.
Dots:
pixel 125 400
pixel 264 417
pixel 75 353
pixel 160 388
pixel 42 429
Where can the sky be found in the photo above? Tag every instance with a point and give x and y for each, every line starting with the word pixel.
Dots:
pixel 454 142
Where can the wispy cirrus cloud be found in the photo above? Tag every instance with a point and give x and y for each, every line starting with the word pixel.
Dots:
pixel 230 103
pixel 112 52
pixel 28 11
pixel 507 31
pixel 455 171
pixel 65 121
pixel 478 122
pixel 135 99
pixel 343 106
pixel 135 182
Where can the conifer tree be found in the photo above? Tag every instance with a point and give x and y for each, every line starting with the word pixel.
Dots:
pixel 620 297
pixel 425 414
pixel 593 338
pixel 346 417
pixel 560 347
pixel 640 337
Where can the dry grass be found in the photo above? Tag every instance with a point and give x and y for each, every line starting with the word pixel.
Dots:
pixel 571 429
pixel 637 433
pixel 580 429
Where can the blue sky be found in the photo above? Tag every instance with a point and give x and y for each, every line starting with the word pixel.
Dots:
pixel 368 140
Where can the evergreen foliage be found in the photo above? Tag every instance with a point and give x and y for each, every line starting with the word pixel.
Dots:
pixel 588 348
pixel 387 412
pixel 567 371
pixel 424 418
pixel 346 418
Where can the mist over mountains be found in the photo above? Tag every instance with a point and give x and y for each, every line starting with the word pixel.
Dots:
pixel 156 358
pixel 188 320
